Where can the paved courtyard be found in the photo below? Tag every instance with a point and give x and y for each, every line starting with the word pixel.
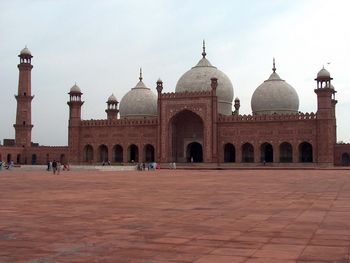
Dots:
pixel 251 216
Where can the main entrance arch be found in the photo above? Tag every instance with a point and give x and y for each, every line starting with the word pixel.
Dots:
pixel 186 137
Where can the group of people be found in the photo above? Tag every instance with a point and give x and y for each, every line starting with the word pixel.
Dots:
pixel 56 167
pixel 5 165
pixel 172 165
pixel 147 166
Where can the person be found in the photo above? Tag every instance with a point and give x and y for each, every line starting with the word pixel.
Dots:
pixel 143 166
pixel 54 166
pixel 174 165
pixel 58 167
pixel 48 166
pixel 0 165
pixel 66 167
pixel 10 165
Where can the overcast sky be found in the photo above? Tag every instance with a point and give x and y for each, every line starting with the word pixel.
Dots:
pixel 101 45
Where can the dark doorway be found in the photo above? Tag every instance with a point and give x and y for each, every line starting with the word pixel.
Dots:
pixel 286 153
pixel 345 159
pixel 133 153
pixel 229 153
pixel 18 159
pixel 149 153
pixel 194 152
pixel 9 158
pixel 305 152
pixel 103 153
pixel 88 153
pixel 266 153
pixel 34 159
pixel 118 153
pixel 247 153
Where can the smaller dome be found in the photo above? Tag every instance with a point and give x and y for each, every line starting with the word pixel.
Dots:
pixel 25 51
pixel 139 102
pixel 112 98
pixel 275 96
pixel 323 73
pixel 75 89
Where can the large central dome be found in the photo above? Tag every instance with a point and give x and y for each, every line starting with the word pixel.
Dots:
pixel 198 79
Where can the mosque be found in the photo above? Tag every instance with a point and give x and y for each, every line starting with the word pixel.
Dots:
pixel 199 122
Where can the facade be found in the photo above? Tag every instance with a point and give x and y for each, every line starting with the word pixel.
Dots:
pixel 193 124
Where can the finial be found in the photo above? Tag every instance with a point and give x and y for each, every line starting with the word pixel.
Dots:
pixel 203 53
pixel 140 78
pixel 274 66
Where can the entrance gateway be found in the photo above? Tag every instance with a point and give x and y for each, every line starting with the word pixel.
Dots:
pixel 186 137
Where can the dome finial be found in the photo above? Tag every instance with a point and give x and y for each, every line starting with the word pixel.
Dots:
pixel 274 66
pixel 203 53
pixel 140 78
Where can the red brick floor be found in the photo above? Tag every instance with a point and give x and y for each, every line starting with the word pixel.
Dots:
pixel 260 216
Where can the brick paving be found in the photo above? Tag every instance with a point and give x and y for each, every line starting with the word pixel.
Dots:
pixel 260 216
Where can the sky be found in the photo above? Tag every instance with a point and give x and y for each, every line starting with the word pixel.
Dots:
pixel 101 45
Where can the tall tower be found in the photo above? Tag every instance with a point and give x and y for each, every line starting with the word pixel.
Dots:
pixel 74 104
pixel 23 126
pixel 326 122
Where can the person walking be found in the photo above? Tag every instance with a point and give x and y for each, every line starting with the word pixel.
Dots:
pixel 54 166
pixel 58 167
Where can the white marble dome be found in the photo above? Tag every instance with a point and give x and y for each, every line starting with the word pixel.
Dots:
pixel 198 79
pixel 75 89
pixel 275 96
pixel 25 51
pixel 139 102
pixel 112 98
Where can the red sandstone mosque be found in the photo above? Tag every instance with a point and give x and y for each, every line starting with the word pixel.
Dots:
pixel 196 123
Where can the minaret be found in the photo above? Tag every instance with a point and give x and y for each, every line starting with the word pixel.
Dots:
pixel 326 122
pixel 112 108
pixel 74 104
pixel 23 126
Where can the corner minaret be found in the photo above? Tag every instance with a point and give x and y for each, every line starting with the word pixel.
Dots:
pixel 74 104
pixel 326 122
pixel 23 126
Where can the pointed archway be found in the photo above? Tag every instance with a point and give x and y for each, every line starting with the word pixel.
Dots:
pixel 229 153
pixel 149 153
pixel 133 153
pixel 286 152
pixel 247 153
pixel 88 153
pixel 186 137
pixel 266 152
pixel 305 152
pixel 345 159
